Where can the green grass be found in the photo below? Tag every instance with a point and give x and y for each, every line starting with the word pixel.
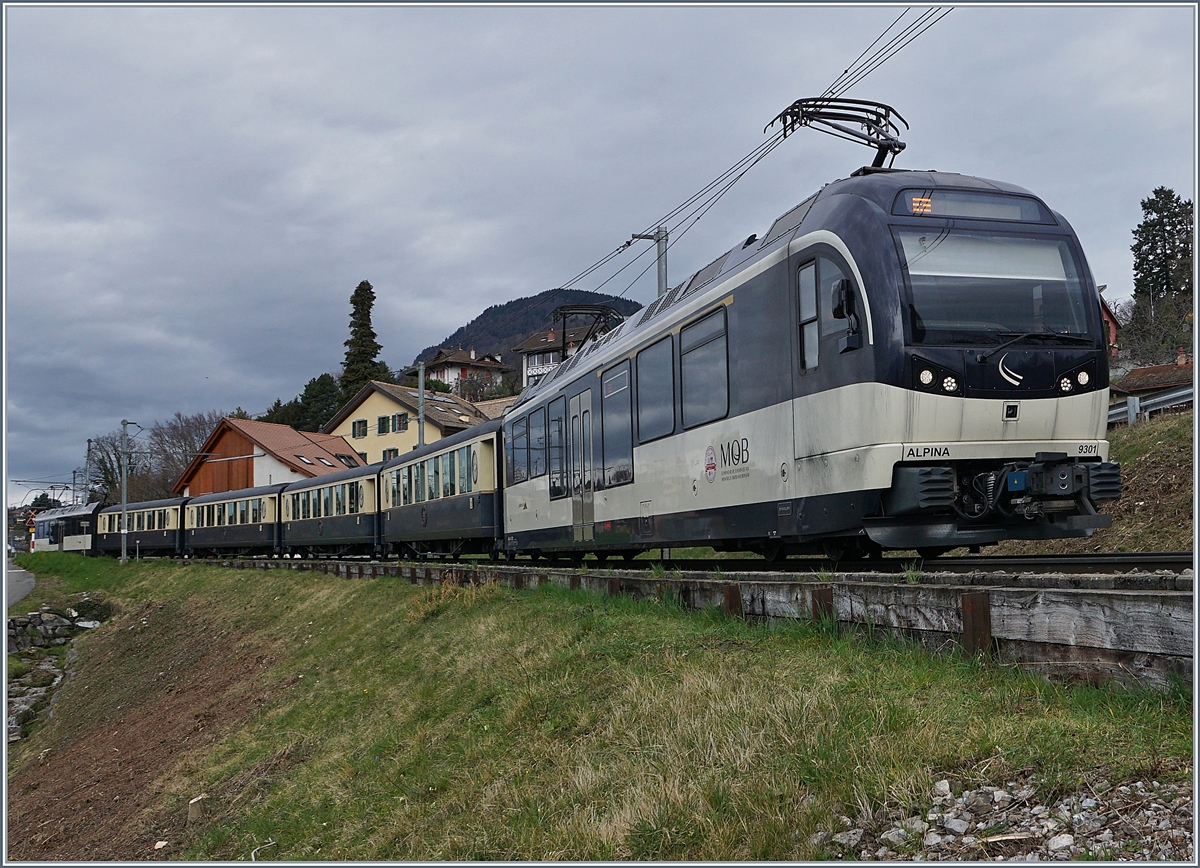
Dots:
pixel 433 723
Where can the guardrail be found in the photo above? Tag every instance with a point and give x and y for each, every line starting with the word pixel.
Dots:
pixel 1135 407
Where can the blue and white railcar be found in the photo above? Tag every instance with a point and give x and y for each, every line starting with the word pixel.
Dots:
pixel 66 529
pixel 905 360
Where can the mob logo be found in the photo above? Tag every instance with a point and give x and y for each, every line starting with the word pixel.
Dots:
pixel 710 464
pixel 735 453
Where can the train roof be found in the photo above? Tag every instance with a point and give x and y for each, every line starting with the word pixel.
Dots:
pixel 241 493
pixel 68 511
pixel 360 472
pixel 877 185
pixel 481 430
pixel 146 504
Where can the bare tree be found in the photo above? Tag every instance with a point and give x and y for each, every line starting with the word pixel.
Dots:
pixel 157 457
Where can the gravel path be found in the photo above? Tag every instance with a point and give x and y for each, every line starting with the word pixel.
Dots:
pixel 1133 821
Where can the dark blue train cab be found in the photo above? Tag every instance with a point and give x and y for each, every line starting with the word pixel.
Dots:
pixel 444 498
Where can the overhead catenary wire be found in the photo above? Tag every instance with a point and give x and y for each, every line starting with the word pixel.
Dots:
pixel 866 63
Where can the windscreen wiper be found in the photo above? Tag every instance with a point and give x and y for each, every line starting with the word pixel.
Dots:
pixel 1078 339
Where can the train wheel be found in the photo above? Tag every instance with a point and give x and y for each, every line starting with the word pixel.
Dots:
pixel 835 549
pixel 774 552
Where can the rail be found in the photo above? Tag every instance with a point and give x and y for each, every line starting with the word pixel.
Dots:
pixel 1135 407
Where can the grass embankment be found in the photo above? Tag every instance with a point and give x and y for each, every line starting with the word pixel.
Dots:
pixel 381 721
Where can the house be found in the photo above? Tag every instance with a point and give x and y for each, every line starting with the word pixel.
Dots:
pixel 541 350
pixel 1153 380
pixel 244 453
pixel 496 407
pixel 452 366
pixel 1110 322
pixel 380 421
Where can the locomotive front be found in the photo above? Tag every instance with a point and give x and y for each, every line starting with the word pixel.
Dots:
pixel 1001 365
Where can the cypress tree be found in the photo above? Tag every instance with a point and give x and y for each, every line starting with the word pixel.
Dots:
pixel 362 350
pixel 1156 325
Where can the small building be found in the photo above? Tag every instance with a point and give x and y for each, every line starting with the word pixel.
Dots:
pixel 450 367
pixel 245 453
pixel 380 421
pixel 542 351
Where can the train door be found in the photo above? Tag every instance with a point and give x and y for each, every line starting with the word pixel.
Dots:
pixel 579 450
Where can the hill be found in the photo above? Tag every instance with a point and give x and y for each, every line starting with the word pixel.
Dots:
pixel 502 326
pixel 330 719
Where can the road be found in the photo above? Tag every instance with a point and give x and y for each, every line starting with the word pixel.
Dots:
pixel 17 583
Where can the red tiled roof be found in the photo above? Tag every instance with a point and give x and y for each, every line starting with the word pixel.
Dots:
pixel 463 357
pixel 549 339
pixel 1154 377
pixel 281 442
pixel 449 413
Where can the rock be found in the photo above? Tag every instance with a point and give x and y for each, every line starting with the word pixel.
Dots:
pixel 818 839
pixel 848 839
pixel 955 825
pixel 1060 842
pixel 941 789
pixel 979 800
pixel 87 625
pixel 894 837
pixel 931 839
pixel 914 826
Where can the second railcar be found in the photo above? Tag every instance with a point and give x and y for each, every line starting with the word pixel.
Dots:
pixel 335 514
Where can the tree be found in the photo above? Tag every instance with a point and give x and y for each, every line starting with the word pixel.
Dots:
pixel 44 501
pixel 362 350
pixel 1154 325
pixel 317 403
pixel 157 457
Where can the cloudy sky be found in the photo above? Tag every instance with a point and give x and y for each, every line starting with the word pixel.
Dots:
pixel 192 193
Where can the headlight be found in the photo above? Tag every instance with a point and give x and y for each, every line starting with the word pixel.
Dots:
pixel 950 384
pixel 926 377
pixel 1065 385
pixel 1083 378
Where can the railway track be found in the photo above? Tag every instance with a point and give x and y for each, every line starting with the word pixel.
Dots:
pixel 1119 562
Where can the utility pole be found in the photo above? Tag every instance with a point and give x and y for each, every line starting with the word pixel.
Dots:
pixel 660 238
pixel 125 423
pixel 87 474
pixel 420 404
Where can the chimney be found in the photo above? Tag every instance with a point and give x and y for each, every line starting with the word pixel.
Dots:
pixel 1182 358
pixel 472 353
pixel 550 335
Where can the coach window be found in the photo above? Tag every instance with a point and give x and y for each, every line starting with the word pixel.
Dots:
pixel 704 370
pixel 448 475
pixel 617 426
pixel 419 492
pixel 208 515
pixel 220 515
pixel 139 521
pixel 556 447
pixel 464 469
pixel 656 390
pixel 809 334
pixel 520 441
pixel 243 511
pixel 433 476
pixel 327 501
pixel 537 443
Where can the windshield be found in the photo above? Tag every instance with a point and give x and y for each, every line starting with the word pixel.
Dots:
pixel 984 288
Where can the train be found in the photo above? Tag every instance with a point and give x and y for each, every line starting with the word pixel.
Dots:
pixel 904 360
